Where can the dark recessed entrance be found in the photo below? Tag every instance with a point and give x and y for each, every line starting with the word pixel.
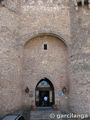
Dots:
pixel 44 93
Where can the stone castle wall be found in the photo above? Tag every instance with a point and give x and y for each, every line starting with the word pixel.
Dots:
pixel 80 60
pixel 22 21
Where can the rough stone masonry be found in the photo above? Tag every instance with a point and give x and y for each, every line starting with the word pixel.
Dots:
pixel 25 27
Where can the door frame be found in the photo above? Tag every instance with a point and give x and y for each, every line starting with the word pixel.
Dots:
pixel 51 88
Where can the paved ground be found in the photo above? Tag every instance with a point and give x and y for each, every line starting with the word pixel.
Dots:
pixel 26 114
pixel 40 112
pixel 43 114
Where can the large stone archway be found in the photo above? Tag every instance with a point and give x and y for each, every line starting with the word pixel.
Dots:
pixel 45 56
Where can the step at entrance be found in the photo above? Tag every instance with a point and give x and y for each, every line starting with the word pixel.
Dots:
pixel 44 113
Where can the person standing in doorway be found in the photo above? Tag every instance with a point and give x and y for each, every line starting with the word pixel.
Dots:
pixel 45 100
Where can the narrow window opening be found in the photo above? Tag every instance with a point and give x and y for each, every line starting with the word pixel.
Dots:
pixel 45 46
pixel 86 2
pixel 80 3
pixel 2 3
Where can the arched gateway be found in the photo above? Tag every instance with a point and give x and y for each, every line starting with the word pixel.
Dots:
pixel 45 55
pixel 44 93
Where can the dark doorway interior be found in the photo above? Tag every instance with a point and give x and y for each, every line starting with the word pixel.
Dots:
pixel 44 93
